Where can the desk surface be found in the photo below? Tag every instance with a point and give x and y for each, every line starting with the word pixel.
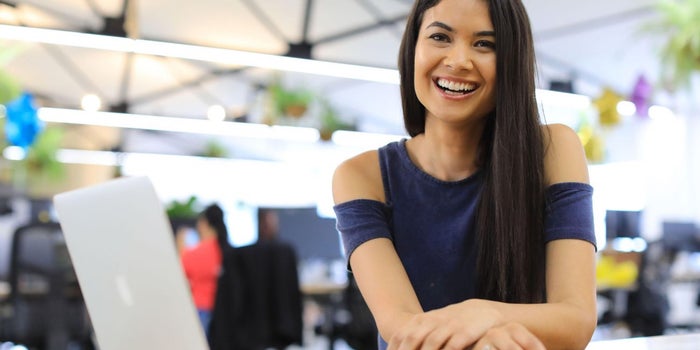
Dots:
pixel 322 287
pixel 674 342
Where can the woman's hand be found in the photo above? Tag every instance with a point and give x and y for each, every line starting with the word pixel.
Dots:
pixel 511 335
pixel 472 324
pixel 455 326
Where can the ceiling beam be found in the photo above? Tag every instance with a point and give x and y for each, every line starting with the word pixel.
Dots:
pixel 361 29
pixel 372 9
pixel 265 20
pixel 193 83
pixel 72 70
pixel 594 23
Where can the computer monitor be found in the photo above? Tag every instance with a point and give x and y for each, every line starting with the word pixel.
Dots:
pixel 622 223
pixel 681 235
pixel 313 237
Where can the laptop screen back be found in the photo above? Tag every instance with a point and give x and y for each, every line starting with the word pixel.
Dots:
pixel 122 247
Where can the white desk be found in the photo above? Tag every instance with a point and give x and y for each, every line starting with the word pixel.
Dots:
pixel 664 342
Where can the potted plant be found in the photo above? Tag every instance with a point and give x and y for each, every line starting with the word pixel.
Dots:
pixel 183 213
pixel 287 101
pixel 214 149
pixel 681 52
pixel 330 121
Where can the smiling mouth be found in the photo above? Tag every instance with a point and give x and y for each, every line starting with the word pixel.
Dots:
pixel 455 88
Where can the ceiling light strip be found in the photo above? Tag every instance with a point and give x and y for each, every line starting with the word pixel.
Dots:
pixel 185 125
pixel 199 53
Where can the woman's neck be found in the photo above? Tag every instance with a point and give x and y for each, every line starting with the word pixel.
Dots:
pixel 446 153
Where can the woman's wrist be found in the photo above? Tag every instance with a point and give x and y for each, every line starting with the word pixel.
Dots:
pixel 486 310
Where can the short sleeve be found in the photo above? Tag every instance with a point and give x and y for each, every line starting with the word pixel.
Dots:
pixel 569 212
pixel 359 221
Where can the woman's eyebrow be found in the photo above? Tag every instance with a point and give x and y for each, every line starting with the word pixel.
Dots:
pixel 485 33
pixel 450 29
pixel 440 25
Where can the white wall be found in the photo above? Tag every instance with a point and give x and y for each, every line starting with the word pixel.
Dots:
pixel 652 164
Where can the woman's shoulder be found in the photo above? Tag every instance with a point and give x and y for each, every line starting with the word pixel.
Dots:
pixel 565 159
pixel 358 177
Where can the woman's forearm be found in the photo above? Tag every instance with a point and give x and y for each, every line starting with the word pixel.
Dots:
pixel 561 325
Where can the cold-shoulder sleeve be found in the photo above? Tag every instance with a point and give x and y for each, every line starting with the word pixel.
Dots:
pixel 359 221
pixel 570 212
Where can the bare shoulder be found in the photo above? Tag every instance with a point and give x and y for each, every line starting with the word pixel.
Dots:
pixel 358 178
pixel 565 159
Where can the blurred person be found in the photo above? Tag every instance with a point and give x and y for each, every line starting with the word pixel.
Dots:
pixel 202 262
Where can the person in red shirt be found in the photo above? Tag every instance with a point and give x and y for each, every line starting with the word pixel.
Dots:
pixel 202 263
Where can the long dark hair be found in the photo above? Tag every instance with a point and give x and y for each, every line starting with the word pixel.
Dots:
pixel 214 216
pixel 510 219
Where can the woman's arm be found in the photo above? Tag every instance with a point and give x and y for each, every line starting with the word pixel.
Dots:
pixel 569 317
pixel 566 321
pixel 378 271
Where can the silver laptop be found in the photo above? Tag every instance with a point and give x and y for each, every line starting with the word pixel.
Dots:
pixel 123 250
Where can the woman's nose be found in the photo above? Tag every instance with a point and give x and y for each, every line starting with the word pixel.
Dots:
pixel 459 58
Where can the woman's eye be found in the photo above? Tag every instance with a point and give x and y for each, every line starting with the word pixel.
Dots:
pixel 439 37
pixel 485 43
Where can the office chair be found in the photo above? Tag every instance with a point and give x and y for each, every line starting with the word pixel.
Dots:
pixel 45 308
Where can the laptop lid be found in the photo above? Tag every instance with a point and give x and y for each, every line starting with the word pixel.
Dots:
pixel 123 251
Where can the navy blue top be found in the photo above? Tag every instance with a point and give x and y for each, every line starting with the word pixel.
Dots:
pixel 431 224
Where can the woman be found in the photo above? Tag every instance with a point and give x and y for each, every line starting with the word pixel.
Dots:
pixel 202 263
pixel 477 232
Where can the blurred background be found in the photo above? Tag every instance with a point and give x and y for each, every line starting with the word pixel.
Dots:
pixel 254 103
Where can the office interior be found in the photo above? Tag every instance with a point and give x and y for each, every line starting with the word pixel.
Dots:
pixel 200 120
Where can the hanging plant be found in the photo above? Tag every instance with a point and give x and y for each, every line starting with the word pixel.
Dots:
pixel 287 101
pixel 681 54
pixel 183 213
pixel 183 210
pixel 331 121
pixel 214 149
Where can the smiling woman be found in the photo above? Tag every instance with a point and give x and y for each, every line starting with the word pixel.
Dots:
pixel 483 218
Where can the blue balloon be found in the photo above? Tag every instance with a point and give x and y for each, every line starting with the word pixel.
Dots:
pixel 23 124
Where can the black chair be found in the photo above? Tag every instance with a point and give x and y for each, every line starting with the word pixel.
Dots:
pixel 45 308
pixel 258 302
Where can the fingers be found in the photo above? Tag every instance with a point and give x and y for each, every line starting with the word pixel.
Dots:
pixel 511 336
pixel 427 332
pixel 411 336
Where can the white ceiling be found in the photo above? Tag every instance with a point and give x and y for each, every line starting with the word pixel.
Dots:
pixel 596 43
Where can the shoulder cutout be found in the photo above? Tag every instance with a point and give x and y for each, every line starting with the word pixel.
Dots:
pixel 565 159
pixel 358 178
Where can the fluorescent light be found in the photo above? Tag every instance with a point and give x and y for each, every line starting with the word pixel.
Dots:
pixel 216 113
pixel 626 108
pixel 236 57
pixel 14 153
pixel 661 113
pixel 199 53
pixel 186 125
pixel 75 156
pixel 91 103
pixel 66 38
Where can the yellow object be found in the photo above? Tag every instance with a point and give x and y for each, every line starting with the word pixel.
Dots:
pixel 607 107
pixel 610 273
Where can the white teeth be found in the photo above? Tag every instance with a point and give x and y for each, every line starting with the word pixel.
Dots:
pixel 455 86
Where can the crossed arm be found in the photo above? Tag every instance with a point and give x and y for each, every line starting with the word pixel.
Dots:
pixel 566 321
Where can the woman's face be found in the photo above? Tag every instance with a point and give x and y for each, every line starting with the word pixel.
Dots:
pixel 455 63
